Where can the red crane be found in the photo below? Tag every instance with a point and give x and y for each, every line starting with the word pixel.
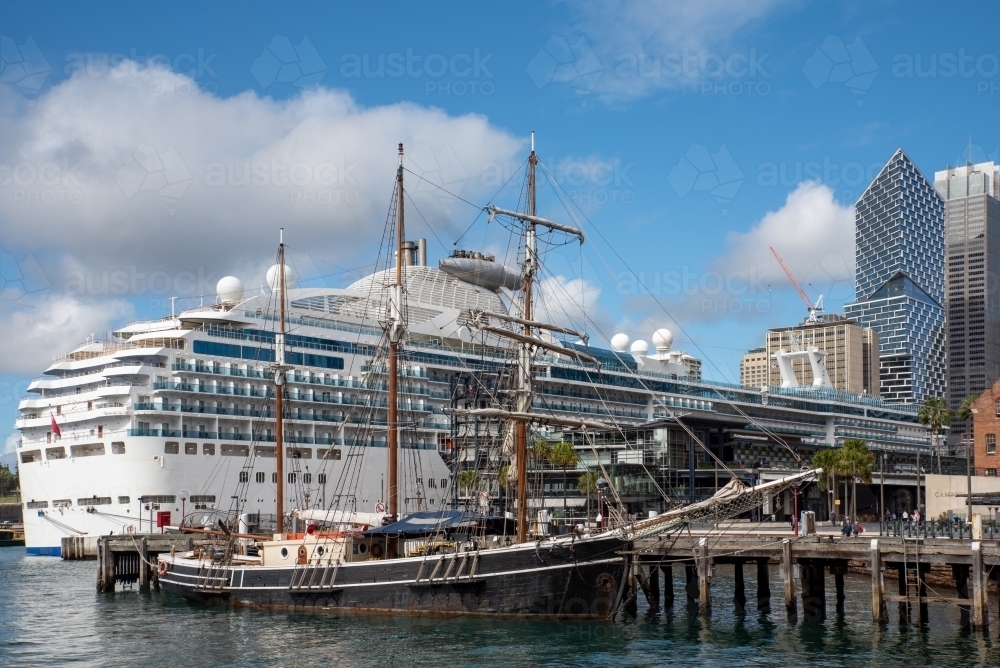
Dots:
pixel 813 308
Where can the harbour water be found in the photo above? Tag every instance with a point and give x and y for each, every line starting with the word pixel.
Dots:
pixel 52 615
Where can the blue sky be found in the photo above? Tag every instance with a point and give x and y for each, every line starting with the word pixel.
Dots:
pixel 692 136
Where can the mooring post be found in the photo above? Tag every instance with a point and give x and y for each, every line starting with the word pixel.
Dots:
pixel 788 576
pixel 923 614
pixel 739 591
pixel 691 588
pixel 647 589
pixel 704 577
pixel 879 613
pixel 668 586
pixel 904 605
pixel 763 586
pixel 979 602
pixel 143 564
pixel 632 602
pixel 107 568
pixel 960 573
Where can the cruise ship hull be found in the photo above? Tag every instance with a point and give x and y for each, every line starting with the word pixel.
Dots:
pixel 563 578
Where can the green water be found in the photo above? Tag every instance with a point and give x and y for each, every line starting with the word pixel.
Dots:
pixel 52 615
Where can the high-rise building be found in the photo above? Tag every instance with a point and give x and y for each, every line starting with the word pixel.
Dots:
pixel 755 368
pixel 971 196
pixel 899 279
pixel 851 353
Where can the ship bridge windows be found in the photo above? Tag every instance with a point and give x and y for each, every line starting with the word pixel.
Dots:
pixel 87 450
pixel 171 447
pixel 55 453
pixel 31 456
pixel 94 501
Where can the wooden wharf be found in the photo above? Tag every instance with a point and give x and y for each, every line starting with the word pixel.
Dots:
pixel 802 566
pixel 130 559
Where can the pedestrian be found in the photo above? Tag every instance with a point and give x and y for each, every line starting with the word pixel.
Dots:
pixel 906 517
pixel 846 528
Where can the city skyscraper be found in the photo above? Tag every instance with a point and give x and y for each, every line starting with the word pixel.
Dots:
pixel 899 279
pixel 971 196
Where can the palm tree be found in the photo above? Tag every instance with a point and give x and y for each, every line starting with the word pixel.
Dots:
pixel 852 459
pixel 935 416
pixel 468 479
pixel 588 485
pixel 564 456
pixel 539 453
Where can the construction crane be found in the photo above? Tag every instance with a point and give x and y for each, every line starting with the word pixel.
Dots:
pixel 813 308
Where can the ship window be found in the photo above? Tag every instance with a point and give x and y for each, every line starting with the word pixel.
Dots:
pixel 444 483
pixel 118 447
pixel 432 483
pixel 62 503
pixel 300 453
pixel 202 498
pixel 94 501
pixel 34 505
pixel 307 478
pixel 260 477
pixel 244 476
pixel 230 450
pixel 208 449
pixel 158 499
pixel 274 478
pixel 190 448
pixel 291 478
pixel 284 553
pixel 55 453
pixel 172 447
pixel 124 500
pixel 31 456
pixel 87 450
pixel 321 478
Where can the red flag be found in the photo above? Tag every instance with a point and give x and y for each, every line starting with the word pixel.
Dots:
pixel 55 426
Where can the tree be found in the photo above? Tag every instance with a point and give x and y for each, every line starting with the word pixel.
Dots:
pixel 8 480
pixel 853 460
pixel 539 453
pixel 564 457
pixel 934 415
pixel 588 485
pixel 468 479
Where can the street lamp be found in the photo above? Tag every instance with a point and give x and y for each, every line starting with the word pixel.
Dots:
pixel 184 497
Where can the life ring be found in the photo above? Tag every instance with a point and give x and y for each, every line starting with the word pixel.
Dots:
pixel 162 568
pixel 377 551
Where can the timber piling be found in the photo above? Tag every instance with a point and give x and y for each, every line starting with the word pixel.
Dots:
pixel 130 559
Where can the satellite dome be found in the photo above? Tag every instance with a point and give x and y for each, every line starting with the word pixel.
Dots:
pixel 640 348
pixel 272 277
pixel 230 290
pixel 619 342
pixel 662 338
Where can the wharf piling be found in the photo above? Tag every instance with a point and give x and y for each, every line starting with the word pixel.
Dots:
pixel 131 559
pixel 804 563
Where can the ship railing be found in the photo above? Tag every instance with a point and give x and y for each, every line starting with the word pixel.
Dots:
pixel 71 437
pixel 168 433
pixel 98 371
pixel 109 348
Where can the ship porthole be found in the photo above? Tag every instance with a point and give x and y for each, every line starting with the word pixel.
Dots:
pixel 320 550
pixel 362 548
pixel 284 553
pixel 605 582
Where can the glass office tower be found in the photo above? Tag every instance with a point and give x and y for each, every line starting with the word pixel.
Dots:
pixel 899 279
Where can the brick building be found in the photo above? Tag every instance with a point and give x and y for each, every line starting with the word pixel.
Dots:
pixel 985 429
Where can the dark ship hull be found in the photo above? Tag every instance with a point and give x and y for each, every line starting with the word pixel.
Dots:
pixel 582 578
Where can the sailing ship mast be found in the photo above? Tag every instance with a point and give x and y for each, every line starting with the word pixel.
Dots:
pixel 395 333
pixel 279 387
pixel 524 389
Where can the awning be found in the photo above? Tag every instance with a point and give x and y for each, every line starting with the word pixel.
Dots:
pixel 427 522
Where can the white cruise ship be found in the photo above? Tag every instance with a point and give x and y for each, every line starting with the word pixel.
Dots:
pixel 173 418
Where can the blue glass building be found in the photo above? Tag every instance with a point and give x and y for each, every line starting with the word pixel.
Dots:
pixel 899 280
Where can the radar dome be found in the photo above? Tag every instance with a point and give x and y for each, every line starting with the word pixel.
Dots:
pixel 640 348
pixel 619 342
pixel 230 290
pixel 662 339
pixel 272 278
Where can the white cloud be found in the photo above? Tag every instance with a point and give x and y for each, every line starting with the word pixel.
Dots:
pixel 648 46
pixel 813 233
pixel 118 171
pixel 567 301
pixel 33 336
pixel 10 444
